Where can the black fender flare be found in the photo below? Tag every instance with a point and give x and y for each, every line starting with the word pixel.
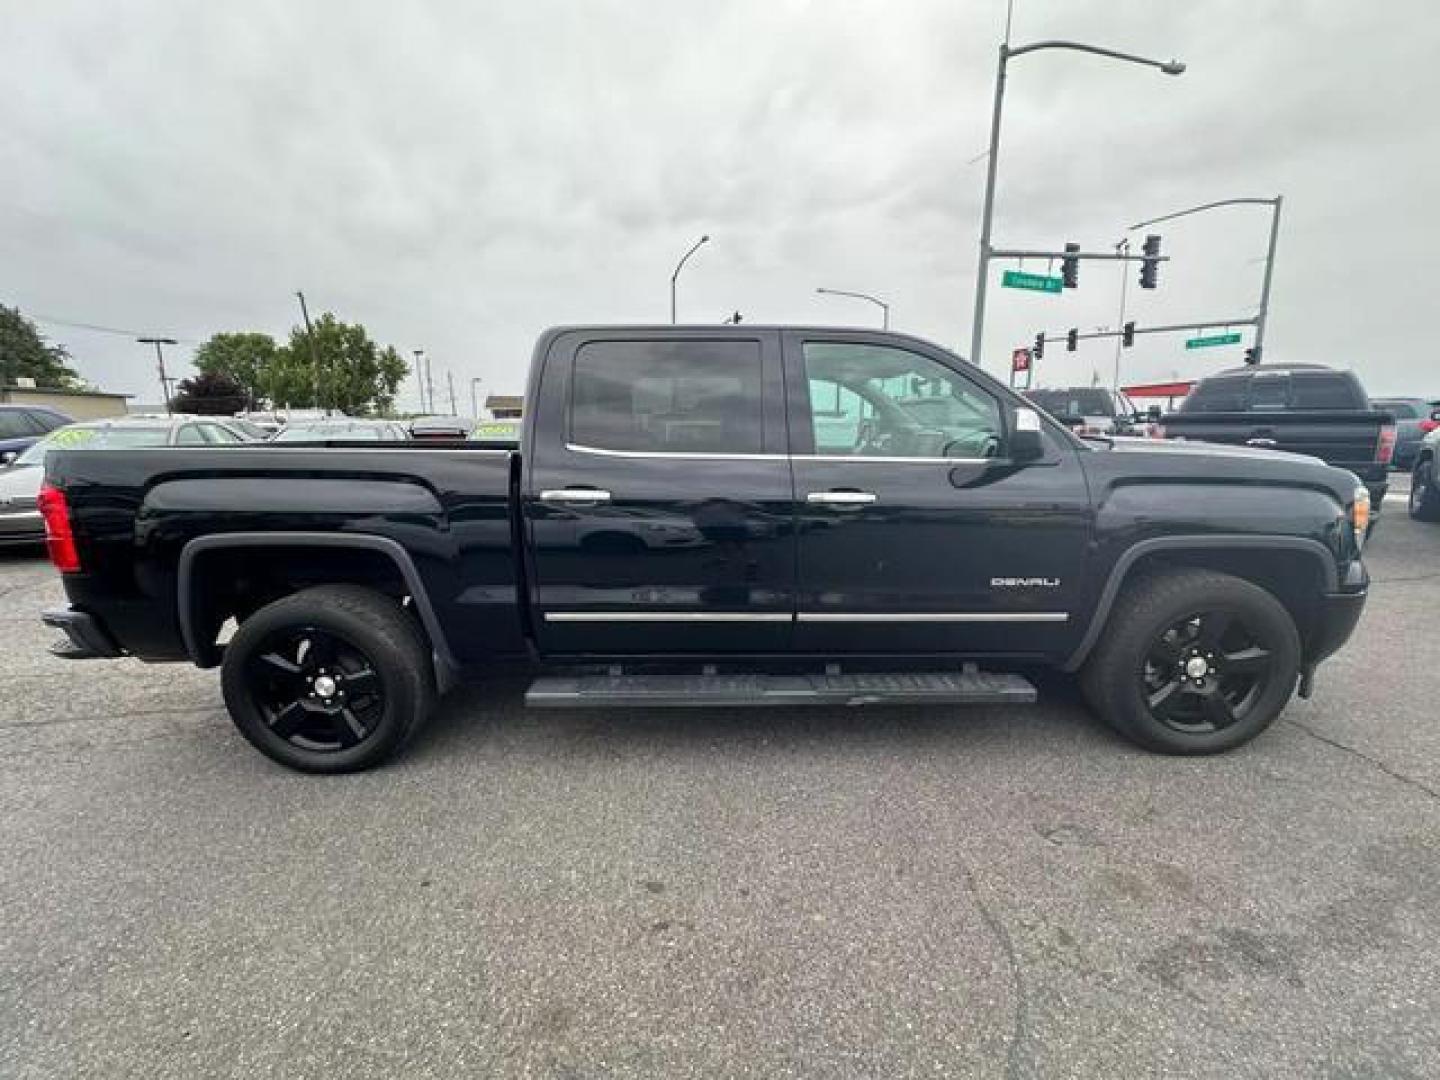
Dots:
pixel 446 667
pixel 1312 549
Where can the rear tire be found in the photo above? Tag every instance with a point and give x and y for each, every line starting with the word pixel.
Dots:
pixel 1424 502
pixel 332 679
pixel 1193 662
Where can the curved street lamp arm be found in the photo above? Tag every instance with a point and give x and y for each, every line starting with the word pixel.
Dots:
pixel 1170 67
pixel 686 257
pixel 1206 206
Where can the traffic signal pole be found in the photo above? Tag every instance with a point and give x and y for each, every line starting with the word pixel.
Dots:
pixel 987 211
pixel 1174 328
pixel 1263 317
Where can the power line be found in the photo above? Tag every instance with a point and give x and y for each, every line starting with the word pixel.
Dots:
pixel 132 334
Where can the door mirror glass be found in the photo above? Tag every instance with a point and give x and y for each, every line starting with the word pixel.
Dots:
pixel 1025 441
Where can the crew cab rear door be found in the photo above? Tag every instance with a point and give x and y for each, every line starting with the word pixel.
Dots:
pixel 657 494
pixel 916 534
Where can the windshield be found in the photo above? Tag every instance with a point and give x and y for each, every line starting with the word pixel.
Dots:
pixel 80 437
pixel 1082 402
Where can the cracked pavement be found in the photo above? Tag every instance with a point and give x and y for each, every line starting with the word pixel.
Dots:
pixel 977 893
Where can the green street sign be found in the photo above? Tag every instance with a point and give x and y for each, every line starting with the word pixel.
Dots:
pixel 1213 339
pixel 1019 279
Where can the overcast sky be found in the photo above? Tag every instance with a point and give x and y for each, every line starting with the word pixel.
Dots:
pixel 458 176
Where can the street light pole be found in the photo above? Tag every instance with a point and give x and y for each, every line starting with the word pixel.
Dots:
pixel 419 380
pixel 450 379
pixel 1123 245
pixel 160 364
pixel 474 400
pixel 310 339
pixel 675 276
pixel 1263 315
pixel 884 307
pixel 987 211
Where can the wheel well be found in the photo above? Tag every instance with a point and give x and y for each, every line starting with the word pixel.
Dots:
pixel 236 582
pixel 1296 580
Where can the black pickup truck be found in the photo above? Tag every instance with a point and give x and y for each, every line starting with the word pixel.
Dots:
pixel 719 516
pixel 1302 408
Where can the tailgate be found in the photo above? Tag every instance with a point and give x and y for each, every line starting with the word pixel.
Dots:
pixel 1348 440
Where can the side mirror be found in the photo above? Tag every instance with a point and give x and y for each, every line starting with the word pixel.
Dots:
pixel 7 457
pixel 1025 441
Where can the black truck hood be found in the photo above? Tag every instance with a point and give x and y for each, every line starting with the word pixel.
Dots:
pixel 1190 461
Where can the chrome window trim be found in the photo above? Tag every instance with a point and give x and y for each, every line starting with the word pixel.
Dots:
pixel 580 448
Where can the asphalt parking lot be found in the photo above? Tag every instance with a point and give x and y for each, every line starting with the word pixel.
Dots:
pixel 877 892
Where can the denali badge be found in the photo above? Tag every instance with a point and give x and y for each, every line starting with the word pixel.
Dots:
pixel 1024 583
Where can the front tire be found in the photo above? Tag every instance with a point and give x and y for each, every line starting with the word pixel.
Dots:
pixel 332 679
pixel 1193 662
pixel 1424 502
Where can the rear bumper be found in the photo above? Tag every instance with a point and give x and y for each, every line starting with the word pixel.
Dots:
pixel 87 639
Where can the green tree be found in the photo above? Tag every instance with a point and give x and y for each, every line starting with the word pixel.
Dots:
pixel 355 375
pixel 248 359
pixel 24 353
pixel 209 394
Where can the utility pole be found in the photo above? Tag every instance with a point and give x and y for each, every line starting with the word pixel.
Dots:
pixel 987 212
pixel 1263 316
pixel 429 384
pixel 450 378
pixel 474 398
pixel 310 338
pixel 678 266
pixel 1122 247
pixel 160 365
pixel 419 382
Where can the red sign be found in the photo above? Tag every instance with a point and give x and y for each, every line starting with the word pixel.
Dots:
pixel 1020 360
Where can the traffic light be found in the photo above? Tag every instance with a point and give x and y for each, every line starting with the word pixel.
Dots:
pixel 1127 334
pixel 1151 263
pixel 1070 267
pixel 1252 354
pixel 1039 351
pixel 1072 340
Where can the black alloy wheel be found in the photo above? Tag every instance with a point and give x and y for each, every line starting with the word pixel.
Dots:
pixel 1205 673
pixel 316 690
pixel 330 679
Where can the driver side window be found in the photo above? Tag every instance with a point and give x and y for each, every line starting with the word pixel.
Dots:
pixel 882 401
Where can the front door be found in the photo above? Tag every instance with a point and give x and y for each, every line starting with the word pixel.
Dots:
pixel 915 532
pixel 659 505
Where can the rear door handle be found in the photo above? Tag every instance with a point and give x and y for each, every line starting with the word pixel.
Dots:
pixel 1265 444
pixel 574 495
pixel 841 498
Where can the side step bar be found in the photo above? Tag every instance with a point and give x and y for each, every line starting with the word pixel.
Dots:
pixel 690 691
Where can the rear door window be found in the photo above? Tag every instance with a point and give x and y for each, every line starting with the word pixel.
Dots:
pixel 1326 390
pixel 668 397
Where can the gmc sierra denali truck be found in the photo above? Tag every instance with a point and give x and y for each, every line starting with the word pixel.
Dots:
pixel 726 516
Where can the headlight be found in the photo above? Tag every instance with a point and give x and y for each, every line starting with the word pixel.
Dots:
pixel 1360 514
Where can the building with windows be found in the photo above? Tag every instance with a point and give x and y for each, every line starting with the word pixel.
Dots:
pixel 76 404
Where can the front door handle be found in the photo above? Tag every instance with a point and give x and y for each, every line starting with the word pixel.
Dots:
pixel 574 495
pixel 1264 444
pixel 841 498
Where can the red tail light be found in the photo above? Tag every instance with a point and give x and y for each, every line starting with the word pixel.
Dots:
pixel 59 540
pixel 1386 450
pixel 1428 425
